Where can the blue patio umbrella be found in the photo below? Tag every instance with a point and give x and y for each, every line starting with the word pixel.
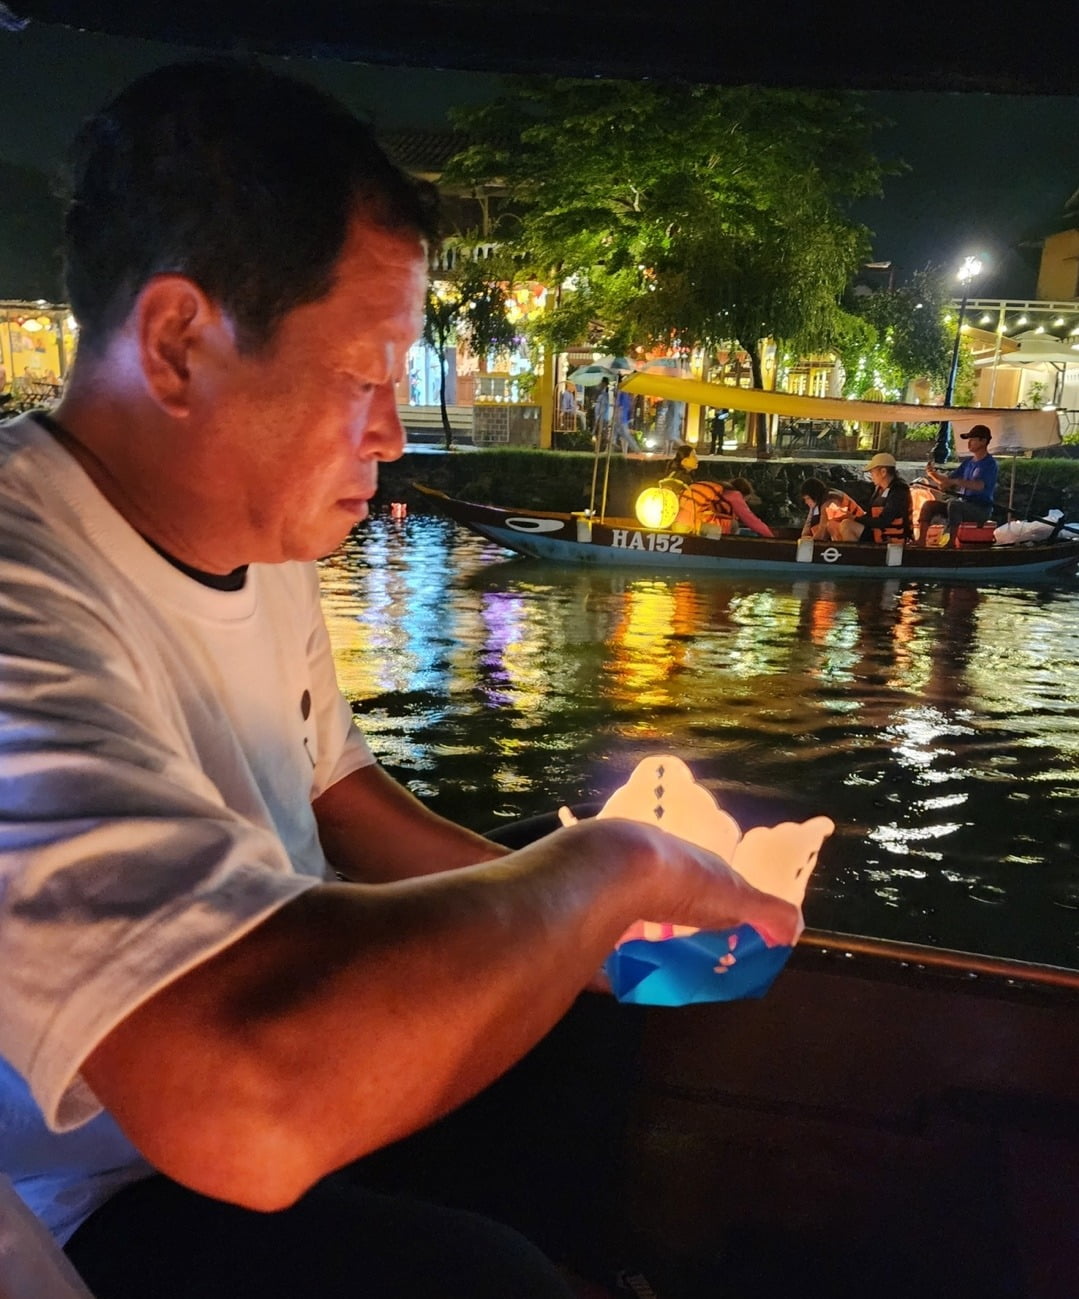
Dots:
pixel 621 363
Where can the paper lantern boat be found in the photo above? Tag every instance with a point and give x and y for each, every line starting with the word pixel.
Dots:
pixel 660 964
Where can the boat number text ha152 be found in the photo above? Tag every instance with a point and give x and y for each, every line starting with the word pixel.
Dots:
pixel 624 539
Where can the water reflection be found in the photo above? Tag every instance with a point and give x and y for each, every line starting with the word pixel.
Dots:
pixel 938 725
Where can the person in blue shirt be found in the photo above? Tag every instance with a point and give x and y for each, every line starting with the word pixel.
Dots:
pixel 623 416
pixel 970 489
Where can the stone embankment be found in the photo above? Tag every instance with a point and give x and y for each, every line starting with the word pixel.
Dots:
pixel 560 480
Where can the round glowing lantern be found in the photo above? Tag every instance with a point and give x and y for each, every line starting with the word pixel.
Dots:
pixel 657 507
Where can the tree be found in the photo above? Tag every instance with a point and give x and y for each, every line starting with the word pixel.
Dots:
pixel 914 336
pixel 466 300
pixel 700 214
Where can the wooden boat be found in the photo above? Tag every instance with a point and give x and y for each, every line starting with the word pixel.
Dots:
pixel 582 539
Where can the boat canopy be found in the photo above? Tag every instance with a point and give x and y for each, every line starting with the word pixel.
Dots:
pixel 1013 430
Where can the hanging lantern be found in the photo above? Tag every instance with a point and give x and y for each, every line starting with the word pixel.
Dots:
pixel 657 507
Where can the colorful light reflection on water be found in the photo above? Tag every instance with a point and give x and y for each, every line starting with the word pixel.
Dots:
pixel 937 725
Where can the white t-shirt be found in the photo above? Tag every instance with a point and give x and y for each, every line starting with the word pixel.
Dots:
pixel 160 745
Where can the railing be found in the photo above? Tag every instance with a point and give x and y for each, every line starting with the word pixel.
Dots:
pixel 1069 421
pixel 808 435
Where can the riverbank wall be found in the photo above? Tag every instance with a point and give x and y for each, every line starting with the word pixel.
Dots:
pixel 562 480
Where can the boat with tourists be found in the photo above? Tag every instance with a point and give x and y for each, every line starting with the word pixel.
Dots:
pixel 583 538
pixel 658 539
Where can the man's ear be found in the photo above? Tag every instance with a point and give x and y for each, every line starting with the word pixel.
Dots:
pixel 174 320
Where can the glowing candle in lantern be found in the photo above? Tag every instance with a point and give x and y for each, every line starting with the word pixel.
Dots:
pixel 657 507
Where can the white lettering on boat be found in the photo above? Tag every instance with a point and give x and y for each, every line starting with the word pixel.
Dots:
pixel 534 525
pixel 623 539
pixel 830 555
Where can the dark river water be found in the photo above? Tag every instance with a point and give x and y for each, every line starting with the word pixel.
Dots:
pixel 937 725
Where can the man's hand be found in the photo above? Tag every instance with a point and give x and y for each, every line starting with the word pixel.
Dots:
pixel 698 888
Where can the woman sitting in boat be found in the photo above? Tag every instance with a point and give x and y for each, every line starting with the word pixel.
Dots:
pixel 829 509
pixel 890 510
pixel 710 503
pixel 681 468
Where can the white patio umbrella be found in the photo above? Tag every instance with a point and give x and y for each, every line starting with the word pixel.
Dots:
pixel 666 365
pixel 621 363
pixel 590 375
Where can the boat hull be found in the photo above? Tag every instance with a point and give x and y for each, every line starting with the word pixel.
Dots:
pixel 576 539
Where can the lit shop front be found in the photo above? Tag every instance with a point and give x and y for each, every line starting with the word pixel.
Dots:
pixel 37 344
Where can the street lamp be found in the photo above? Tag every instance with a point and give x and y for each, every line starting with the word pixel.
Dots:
pixel 971 267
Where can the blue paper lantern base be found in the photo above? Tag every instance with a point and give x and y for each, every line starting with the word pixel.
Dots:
pixel 711 965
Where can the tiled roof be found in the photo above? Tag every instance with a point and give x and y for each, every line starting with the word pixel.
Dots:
pixel 424 153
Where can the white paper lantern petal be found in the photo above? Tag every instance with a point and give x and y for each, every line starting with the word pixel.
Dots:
pixel 661 791
pixel 779 859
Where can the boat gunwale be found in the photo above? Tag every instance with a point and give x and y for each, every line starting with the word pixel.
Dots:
pixel 740 553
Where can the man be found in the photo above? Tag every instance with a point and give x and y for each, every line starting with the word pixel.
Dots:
pixel 571 415
pixel 971 489
pixel 717 426
pixel 601 412
pixel 197 1027
pixel 623 417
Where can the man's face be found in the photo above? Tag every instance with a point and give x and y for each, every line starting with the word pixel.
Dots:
pixel 978 446
pixel 301 424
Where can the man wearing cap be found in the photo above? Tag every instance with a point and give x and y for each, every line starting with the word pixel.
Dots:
pixel 970 488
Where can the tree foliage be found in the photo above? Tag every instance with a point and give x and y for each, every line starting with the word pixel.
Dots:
pixel 698 213
pixel 914 338
pixel 466 302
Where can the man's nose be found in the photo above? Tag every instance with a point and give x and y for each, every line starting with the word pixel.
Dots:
pixel 384 436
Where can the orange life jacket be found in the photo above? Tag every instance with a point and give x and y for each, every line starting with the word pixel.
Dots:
pixel 838 503
pixel 898 530
pixel 702 503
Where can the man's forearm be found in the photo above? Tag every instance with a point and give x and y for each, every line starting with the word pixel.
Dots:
pixel 375 831
pixel 355 1015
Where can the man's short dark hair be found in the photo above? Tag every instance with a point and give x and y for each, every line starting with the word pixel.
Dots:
pixel 241 179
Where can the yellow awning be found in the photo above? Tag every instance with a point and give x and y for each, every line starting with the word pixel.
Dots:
pixel 1013 430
